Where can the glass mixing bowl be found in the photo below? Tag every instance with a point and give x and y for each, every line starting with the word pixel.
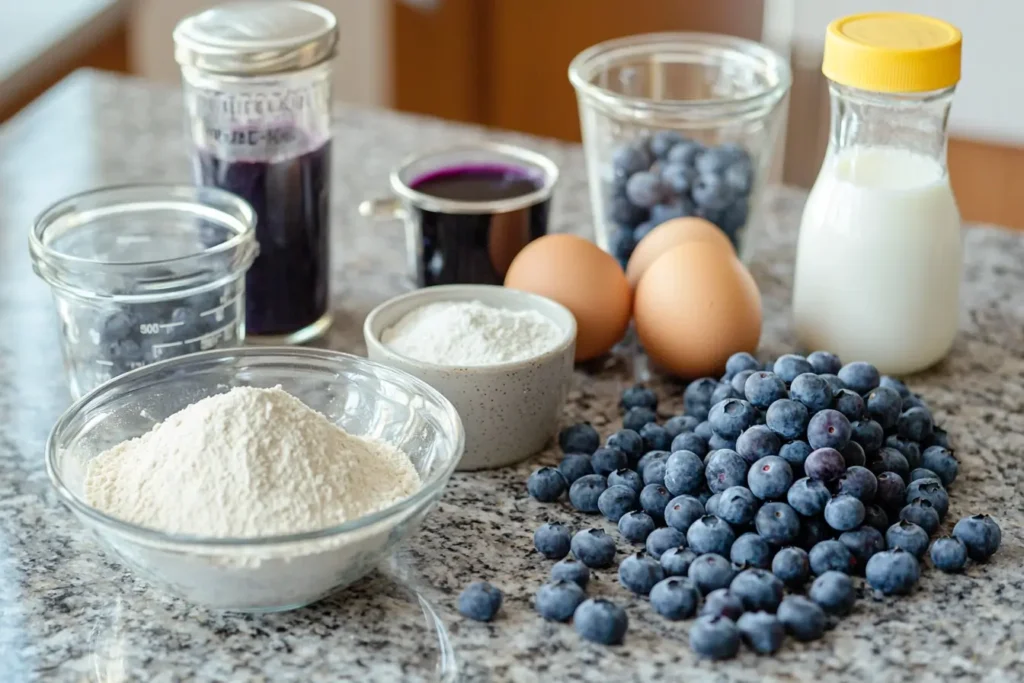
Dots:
pixel 271 573
pixel 677 124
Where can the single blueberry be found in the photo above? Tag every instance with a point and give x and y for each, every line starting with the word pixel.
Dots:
pixel 622 243
pixel 721 602
pixel 717 443
pixel 834 383
pixel 789 366
pixel 546 484
pixel 795 453
pixel 601 621
pixel 710 534
pixel 824 363
pixel 627 441
pixel 751 550
pixel 697 397
pixel 571 569
pixel 626 477
pixel 909 536
pixel 922 473
pixel 930 491
pixel 625 212
pixel 875 517
pixel 714 160
pixel 813 531
pixel 630 159
pixel 644 189
pixel 922 513
pixel 939 437
pixel 739 362
pixel 849 403
pixel 739 380
pixel 853 455
pixel 677 561
pixel 675 598
pixel 981 534
pixel 606 460
pixel 679 424
pixel 615 501
pixel 636 418
pixel 791 565
pixel 910 449
pixel 656 437
pixel 758 590
pixel 808 496
pixel 831 555
pixel 684 473
pixel 711 505
pixel 834 593
pixel 480 601
pixel 585 492
pixel 883 405
pixel 890 460
pixel 635 526
pixel 594 548
pixel 858 482
pixel 558 600
pixel 639 573
pixel 787 418
pixel 762 632
pixel 757 442
pixel 949 554
pixel 915 424
pixel 722 392
pixel 812 391
pixel 737 505
pixel 711 572
pixel 685 152
pixel 893 572
pixel 739 177
pixel 825 464
pixel 715 637
pixel 764 388
pixel 891 492
pixel 862 544
pixel 660 540
pixel 704 431
pixel 769 478
pixel 802 618
pixel 678 178
pixel 914 401
pixel 859 376
pixel 575 465
pixel 653 500
pixel 829 429
pixel 651 458
pixel 777 523
pixel 663 141
pixel 725 468
pixel 552 540
pixel 895 384
pixel 579 438
pixel 844 512
pixel 940 460
pixel 638 396
pixel 690 441
pixel 731 417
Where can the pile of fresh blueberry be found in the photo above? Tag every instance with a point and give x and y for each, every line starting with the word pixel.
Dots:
pixel 799 470
pixel 666 176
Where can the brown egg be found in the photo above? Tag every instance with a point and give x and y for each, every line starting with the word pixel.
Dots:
pixel 579 275
pixel 670 234
pixel 694 307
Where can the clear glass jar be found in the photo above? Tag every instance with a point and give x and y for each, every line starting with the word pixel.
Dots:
pixel 257 82
pixel 696 116
pixel 879 255
pixel 143 273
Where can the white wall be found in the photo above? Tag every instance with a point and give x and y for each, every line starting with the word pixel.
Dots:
pixel 362 67
pixel 990 97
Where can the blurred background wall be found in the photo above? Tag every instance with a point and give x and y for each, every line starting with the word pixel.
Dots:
pixel 503 63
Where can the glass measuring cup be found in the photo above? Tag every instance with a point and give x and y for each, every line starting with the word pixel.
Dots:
pixel 141 273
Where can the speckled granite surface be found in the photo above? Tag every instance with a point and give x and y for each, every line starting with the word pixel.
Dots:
pixel 69 613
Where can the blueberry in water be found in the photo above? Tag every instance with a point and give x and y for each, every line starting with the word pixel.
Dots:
pixel 690 441
pixel 812 391
pixel 630 159
pixel 829 429
pixel 639 573
pixel 575 466
pixel 831 556
pixel 834 383
pixel 571 569
pixel 910 449
pixel 711 572
pixel 731 417
pixel 849 403
pixel 697 397
pixel 790 365
pixel 894 384
pixel 922 513
pixel 875 517
pixel 858 482
pixel 737 505
pixel 678 178
pixel 627 441
pixel 644 189
pixel 824 363
pixel 653 500
pixel 606 460
pixel 601 621
pixel 787 418
pixel 636 418
pixel 980 534
pixel 764 388
pixel 854 455
pixel 677 561
pixel 546 484
pixel 844 512
pixel 859 376
pixel 808 496
pixel 480 601
pixel 777 523
pixel 679 424
pixel 710 534
pixel 725 468
pixel 949 554
pixel 635 526
pixel 625 212
pixel 615 501
pixel 660 540
pixel 579 438
pixel 622 244
pixel 932 492
pixel 862 544
pixel 891 491
pixel 585 492
pixel 893 572
pixel 890 460
pixel 558 600
pixel 915 424
pixel 594 548
pixel 825 464
pixel 722 392
pixel 769 478
pixel 795 453
pixel 682 511
pixel 685 153
pixel 684 473
pixel 626 477
pixel 757 442
pixel 715 638
pixel 721 602
pixel 675 598
pixel 642 230
pixel 752 551
pixel 909 536
pixel 663 141
pixel 762 632
pixel 552 540
pixel 791 565
pixel 940 460
pixel 802 618
pixel 869 434
pixel 638 396
pixel 739 178
pixel 884 406
pixel 834 593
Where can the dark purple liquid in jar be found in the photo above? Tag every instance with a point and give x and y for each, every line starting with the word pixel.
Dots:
pixel 287 285
pixel 477 248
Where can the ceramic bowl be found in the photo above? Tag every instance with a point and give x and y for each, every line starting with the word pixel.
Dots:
pixel 508 410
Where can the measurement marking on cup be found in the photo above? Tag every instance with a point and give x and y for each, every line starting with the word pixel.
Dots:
pixel 218 310
pixel 211 337
pixel 166 345
pixel 108 363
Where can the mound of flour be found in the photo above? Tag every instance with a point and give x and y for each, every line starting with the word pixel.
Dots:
pixel 245 464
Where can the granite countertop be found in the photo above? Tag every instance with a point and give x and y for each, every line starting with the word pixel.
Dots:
pixel 70 613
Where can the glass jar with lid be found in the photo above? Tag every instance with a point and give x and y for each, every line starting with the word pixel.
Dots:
pixel 257 82
pixel 879 254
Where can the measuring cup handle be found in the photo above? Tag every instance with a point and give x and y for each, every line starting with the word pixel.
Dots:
pixel 381 209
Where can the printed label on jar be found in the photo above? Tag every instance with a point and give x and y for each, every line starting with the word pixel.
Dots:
pixel 260 122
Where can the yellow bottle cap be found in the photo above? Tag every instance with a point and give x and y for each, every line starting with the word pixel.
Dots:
pixel 892 52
